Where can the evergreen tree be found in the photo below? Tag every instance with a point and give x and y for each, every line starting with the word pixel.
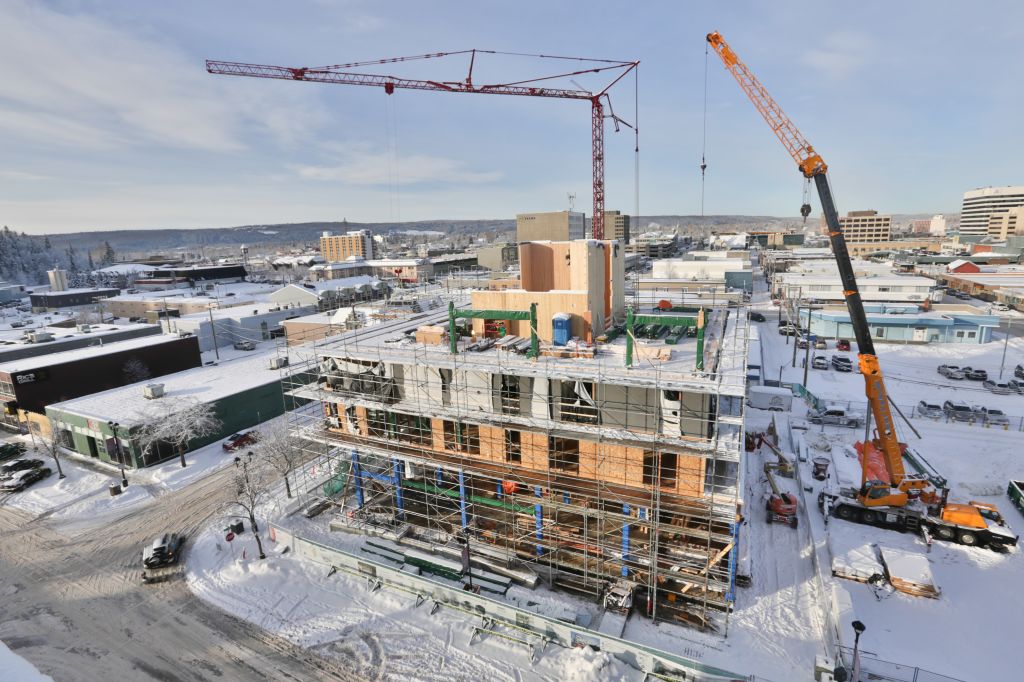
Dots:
pixel 92 266
pixel 109 255
pixel 72 263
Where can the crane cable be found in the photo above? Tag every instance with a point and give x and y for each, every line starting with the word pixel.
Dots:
pixel 636 148
pixel 704 135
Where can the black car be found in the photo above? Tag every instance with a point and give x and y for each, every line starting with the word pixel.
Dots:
pixel 1018 371
pixel 11 449
pixel 756 316
pixel 20 480
pixel 20 465
pixel 163 551
pixel 975 374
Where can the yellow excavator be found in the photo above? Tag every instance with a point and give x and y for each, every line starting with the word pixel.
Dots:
pixel 888 496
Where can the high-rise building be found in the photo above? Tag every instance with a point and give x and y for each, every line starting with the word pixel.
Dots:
pixel 616 226
pixel 979 204
pixel 1008 223
pixel 937 226
pixel 338 247
pixel 865 226
pixel 556 226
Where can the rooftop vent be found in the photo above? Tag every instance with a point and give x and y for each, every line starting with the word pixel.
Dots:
pixel 153 391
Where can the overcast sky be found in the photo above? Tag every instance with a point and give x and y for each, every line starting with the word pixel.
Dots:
pixel 108 119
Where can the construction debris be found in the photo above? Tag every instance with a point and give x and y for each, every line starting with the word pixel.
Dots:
pixel 909 573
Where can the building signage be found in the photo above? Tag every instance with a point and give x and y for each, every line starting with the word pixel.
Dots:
pixel 31 377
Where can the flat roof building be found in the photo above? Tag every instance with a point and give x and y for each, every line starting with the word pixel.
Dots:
pixel 979 204
pixel 28 385
pixel 558 226
pixel 864 226
pixel 339 247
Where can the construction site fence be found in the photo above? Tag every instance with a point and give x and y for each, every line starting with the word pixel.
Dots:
pixel 876 669
pixel 526 627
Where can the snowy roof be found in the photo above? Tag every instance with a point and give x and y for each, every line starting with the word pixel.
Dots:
pixel 12 337
pixel 61 357
pixel 238 312
pixel 397 262
pixel 957 263
pixel 124 269
pixel 79 290
pixel 318 288
pixel 207 384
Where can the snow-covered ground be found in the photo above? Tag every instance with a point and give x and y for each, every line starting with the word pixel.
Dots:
pixel 14 668
pixel 383 634
pixel 968 632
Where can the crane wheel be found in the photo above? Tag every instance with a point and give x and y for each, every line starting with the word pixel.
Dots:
pixel 793 522
pixel 844 512
pixel 968 538
pixel 944 533
pixel 869 517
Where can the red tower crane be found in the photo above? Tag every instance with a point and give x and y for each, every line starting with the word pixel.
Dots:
pixel 343 74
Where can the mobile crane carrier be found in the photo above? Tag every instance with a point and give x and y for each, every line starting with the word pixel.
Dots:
pixel 888 496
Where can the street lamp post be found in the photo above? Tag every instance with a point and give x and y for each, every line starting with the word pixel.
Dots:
pixel 1006 342
pixel 117 450
pixel 858 628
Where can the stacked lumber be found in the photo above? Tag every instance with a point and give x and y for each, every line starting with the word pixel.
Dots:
pixel 909 573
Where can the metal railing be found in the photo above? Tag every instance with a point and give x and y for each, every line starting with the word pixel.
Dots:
pixel 876 669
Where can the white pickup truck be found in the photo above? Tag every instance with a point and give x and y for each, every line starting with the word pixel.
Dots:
pixel 836 415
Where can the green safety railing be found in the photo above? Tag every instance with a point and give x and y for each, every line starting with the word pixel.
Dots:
pixel 470 314
pixel 633 320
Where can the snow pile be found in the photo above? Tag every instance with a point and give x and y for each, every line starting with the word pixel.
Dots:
pixel 380 635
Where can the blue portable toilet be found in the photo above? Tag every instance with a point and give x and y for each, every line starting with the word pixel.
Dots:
pixel 561 324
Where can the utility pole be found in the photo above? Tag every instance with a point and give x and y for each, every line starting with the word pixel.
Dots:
pixel 213 330
pixel 807 355
pixel 797 336
pixel 1006 341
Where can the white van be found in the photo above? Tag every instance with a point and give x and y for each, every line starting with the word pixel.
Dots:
pixel 770 398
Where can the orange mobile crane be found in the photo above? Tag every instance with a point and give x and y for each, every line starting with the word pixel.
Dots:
pixel 888 495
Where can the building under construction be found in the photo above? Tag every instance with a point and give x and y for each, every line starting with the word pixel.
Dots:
pixel 562 433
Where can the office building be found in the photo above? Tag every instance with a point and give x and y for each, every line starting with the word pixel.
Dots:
pixel 1006 223
pixel 616 226
pixel 338 247
pixel 980 204
pixel 557 226
pixel 864 226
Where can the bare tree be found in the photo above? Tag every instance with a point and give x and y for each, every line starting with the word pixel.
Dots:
pixel 177 423
pixel 280 451
pixel 251 486
pixel 52 441
pixel 135 370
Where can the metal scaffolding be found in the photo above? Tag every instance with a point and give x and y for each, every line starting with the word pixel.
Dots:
pixel 583 472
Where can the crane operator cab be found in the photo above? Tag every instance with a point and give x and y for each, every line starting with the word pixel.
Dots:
pixel 881 494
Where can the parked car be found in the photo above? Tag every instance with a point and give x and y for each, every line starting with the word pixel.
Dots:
pixel 20 465
pixel 245 345
pixel 11 449
pixel 975 374
pixel 19 480
pixel 788 330
pixel 819 362
pixel 755 316
pixel 998 387
pixel 1018 371
pixel 1016 384
pixel 821 344
pixel 958 411
pixel 1001 308
pixel 841 363
pixel 951 372
pixel 843 344
pixel 992 417
pixel 802 343
pixel 837 416
pixel 240 440
pixel 929 409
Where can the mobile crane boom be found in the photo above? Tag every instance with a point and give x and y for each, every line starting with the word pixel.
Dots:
pixel 814 167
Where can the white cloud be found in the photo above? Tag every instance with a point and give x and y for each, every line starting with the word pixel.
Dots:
pixel 76 80
pixel 21 176
pixel 368 169
pixel 843 53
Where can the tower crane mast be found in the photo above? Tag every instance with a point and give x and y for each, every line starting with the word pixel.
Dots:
pixel 345 74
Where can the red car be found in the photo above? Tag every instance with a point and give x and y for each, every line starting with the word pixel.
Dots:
pixel 843 344
pixel 240 440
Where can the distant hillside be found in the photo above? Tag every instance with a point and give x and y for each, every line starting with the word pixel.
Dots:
pixel 157 241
